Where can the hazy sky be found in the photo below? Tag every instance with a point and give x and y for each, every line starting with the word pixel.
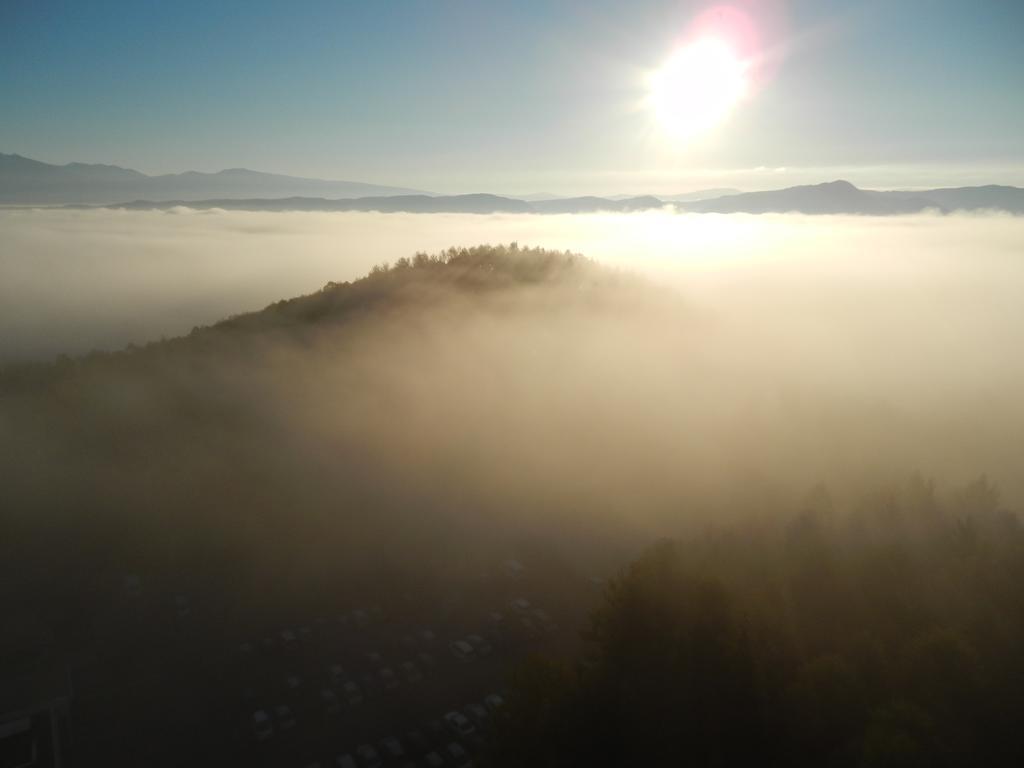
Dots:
pixel 520 97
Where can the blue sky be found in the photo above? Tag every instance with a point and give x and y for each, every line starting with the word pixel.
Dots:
pixel 517 97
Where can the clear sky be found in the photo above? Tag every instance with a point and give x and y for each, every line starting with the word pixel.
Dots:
pixel 518 97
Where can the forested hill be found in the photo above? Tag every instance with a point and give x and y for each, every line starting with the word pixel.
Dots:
pixel 384 408
pixel 423 280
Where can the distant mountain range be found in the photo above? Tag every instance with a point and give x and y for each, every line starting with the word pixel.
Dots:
pixel 30 182
pixel 836 197
pixel 475 203
pixel 844 197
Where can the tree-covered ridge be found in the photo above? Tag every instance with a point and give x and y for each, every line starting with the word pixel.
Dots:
pixel 236 421
pixel 889 636
pixel 423 280
pixel 481 269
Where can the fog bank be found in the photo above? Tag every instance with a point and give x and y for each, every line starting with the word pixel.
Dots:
pixel 866 347
pixel 72 281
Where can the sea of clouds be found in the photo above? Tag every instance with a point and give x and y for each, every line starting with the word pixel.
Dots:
pixel 860 344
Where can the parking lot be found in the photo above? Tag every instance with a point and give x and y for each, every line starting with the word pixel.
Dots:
pixel 364 682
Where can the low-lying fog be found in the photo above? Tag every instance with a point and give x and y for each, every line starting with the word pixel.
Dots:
pixel 878 345
pixel 71 281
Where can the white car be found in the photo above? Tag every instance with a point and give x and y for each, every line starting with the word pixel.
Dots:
pixel 352 693
pixel 458 755
pixel 459 724
pixel 368 756
pixel 543 620
pixel 462 650
pixel 388 678
pixel 392 748
pixel 481 646
pixel 261 725
pixel 427 660
pixel 330 701
pixel 285 718
pixel 477 713
pixel 181 606
pixel 412 674
pixel 520 605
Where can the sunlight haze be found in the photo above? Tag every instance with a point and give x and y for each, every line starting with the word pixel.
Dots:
pixel 533 384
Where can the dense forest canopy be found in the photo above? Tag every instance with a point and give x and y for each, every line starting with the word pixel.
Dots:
pixel 888 635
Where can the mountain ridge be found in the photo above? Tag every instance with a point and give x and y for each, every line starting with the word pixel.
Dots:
pixel 24 180
pixel 835 197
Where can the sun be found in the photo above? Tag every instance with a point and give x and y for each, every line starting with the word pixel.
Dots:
pixel 697 88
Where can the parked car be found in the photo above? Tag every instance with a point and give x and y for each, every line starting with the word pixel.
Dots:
pixel 285 718
pixel 368 756
pixel 428 661
pixel 544 621
pixel 513 569
pixel 458 724
pixel 133 585
pixel 477 713
pixel 392 748
pixel 520 605
pixel 481 646
pixel 261 725
pixel 388 678
pixel 462 650
pixel 181 606
pixel 437 729
pixel 417 742
pixel 530 628
pixel 412 674
pixel 459 757
pixel 352 694
pixel 330 701
pixel 289 641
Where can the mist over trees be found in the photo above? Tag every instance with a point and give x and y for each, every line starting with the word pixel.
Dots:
pixel 395 434
pixel 462 397
pixel 884 635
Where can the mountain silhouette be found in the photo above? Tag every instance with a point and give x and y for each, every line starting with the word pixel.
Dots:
pixel 31 182
pixel 843 197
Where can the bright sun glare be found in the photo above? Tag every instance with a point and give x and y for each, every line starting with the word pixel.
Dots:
pixel 696 88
